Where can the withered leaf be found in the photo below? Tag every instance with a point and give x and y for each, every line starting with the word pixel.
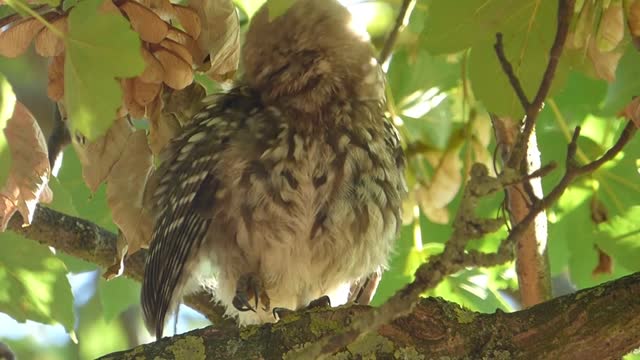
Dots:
pixel 444 185
pixel 632 111
pixel 125 189
pixel 611 29
pixel 605 264
pixel 143 92
pixel 145 22
pixel 604 63
pixel 220 36
pixel 177 49
pixel 47 43
pixel 188 42
pixel 98 157
pixel 163 127
pixel 55 87
pixel 15 39
pixel 27 183
pixel 189 20
pixel 178 74
pixel 153 71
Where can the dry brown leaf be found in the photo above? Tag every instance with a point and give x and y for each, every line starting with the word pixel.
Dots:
pixel 178 74
pixel 632 111
pixel 27 183
pixel 189 20
pixel 584 26
pixel 188 42
pixel 55 87
pixel 117 268
pixel 611 28
pixel 482 135
pixel 15 39
pixel 605 264
pixel 98 157
pixel 153 71
pixel 145 22
pixel 163 8
pixel 129 102
pixel 177 49
pixel 163 127
pixel 125 189
pixel 144 93
pixel 220 36
pixel 47 43
pixel 604 63
pixel 443 187
pixel 633 17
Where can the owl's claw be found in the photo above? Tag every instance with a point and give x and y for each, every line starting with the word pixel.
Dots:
pixel 249 287
pixel 321 302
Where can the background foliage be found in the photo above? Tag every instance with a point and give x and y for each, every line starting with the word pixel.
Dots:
pixel 444 79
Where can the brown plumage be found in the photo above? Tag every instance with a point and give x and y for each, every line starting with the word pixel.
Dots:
pixel 289 186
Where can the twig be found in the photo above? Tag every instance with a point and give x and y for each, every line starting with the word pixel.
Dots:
pixel 511 75
pixel 565 10
pixel 573 170
pixel 87 241
pixel 401 21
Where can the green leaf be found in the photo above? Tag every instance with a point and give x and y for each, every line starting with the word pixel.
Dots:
pixel 416 73
pixel 7 103
pixel 625 86
pixel 118 295
pixel 100 48
pixel 33 283
pixel 90 206
pixel 62 200
pixel 278 7
pixel 526 47
pixel 474 289
pixel 620 239
pixel 452 26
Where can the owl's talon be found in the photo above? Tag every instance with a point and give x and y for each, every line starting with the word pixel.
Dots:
pixel 249 287
pixel 280 313
pixel 321 302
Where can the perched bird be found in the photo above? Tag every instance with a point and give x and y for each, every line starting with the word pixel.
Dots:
pixel 287 187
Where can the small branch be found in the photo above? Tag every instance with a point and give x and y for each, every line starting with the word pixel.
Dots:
pixel 87 241
pixel 565 11
pixel 582 325
pixel 401 21
pixel 511 75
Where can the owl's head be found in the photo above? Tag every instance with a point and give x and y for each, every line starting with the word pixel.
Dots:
pixel 310 57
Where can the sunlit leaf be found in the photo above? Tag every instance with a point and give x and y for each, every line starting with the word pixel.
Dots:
pixel 33 283
pixel 100 47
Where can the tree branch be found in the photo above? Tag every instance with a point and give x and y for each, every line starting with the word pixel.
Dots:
pixel 565 11
pixel 598 323
pixel 401 21
pixel 87 241
pixel 532 267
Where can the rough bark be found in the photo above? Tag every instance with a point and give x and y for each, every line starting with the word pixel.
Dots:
pixel 598 323
pixel 87 241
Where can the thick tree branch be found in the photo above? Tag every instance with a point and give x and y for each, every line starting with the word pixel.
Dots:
pixel 597 323
pixel 87 241
pixel 532 267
